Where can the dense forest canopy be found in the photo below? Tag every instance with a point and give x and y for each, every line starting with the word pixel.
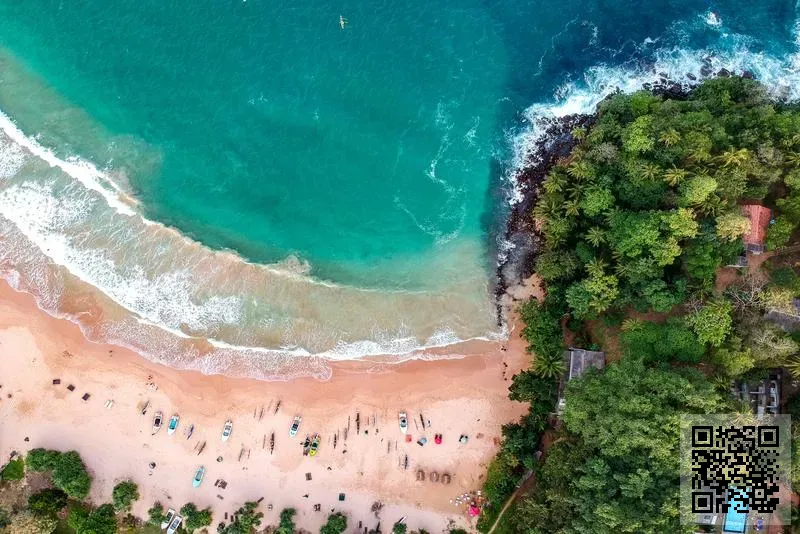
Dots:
pixel 636 224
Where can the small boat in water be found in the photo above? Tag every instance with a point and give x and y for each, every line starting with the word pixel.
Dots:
pixel 174 525
pixel 168 518
pixel 198 476
pixel 173 424
pixel 158 420
pixel 227 430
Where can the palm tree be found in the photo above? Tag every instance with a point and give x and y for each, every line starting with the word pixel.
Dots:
pixel 675 176
pixel 734 158
pixel 549 365
pixel 548 209
pixel 793 365
pixel 793 159
pixel 554 183
pixel 632 324
pixel 649 171
pixel 596 267
pixel 670 137
pixel 572 208
pixel 580 169
pixel 596 236
pixel 711 205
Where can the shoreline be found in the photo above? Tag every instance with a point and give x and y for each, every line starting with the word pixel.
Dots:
pixel 466 395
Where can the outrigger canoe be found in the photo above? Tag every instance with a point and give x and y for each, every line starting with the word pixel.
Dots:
pixel 158 420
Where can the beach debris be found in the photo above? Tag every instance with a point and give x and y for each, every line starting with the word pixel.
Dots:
pixel 335 439
pixel 145 407
pixel 272 442
pixel 463 439
pixel 420 475
pixel 479 435
pixel 202 448
pixel 152 465
pixel 277 407
pixel 437 438
pixel 264 442
pixel 358 423
pixel 241 453
pixel 341 496
pixel 86 396
pixel 446 478
pixel 376 508
pixel 388 446
pixel 71 387
pixel 219 458
pixel 317 507
pixel 434 476
pixel 422 441
pixel 109 404
pixel 220 497
pixel 308 476
pixel 405 462
pixel 56 381
pixel 348 425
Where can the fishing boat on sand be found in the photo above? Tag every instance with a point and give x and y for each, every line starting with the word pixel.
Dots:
pixel 158 420
pixel 189 431
pixel 168 518
pixel 173 424
pixel 403 422
pixel 174 525
pixel 227 430
pixel 314 445
pixel 295 426
pixel 198 476
pixel 306 446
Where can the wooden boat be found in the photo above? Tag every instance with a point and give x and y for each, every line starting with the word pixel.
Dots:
pixel 189 431
pixel 227 430
pixel 158 420
pixel 198 476
pixel 173 424
pixel 314 445
pixel 306 446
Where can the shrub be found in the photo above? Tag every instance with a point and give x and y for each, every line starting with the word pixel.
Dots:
pixel 124 494
pixel 70 475
pixel 287 525
pixel 42 460
pixel 337 523
pixel 194 518
pixel 13 470
pixel 156 515
pixel 399 528
pixel 48 501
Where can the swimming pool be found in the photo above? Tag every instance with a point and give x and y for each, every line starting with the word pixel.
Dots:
pixel 735 521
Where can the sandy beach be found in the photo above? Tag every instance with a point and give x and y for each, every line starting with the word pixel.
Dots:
pixel 453 397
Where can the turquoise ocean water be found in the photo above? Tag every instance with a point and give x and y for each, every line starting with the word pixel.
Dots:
pixel 259 189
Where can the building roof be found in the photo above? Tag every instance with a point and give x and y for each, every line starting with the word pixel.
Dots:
pixel 580 360
pixel 759 221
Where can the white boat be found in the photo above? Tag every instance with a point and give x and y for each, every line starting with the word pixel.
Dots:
pixel 295 426
pixel 168 519
pixel 403 422
pixel 174 525
pixel 158 420
pixel 227 430
pixel 173 424
pixel 198 476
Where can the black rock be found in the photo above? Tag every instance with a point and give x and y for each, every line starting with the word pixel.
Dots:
pixel 724 73
pixel 691 76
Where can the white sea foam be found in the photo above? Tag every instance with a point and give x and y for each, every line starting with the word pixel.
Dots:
pixel 687 67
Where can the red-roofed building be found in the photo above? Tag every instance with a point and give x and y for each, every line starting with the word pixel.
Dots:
pixel 759 222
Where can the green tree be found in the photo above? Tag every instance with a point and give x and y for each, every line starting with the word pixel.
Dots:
pixel 246 520
pixel 47 502
pixel 124 495
pixel 156 515
pixel 13 470
pixel 287 525
pixel 696 190
pixel 528 387
pixel 549 366
pixel 194 518
pixel 779 233
pixel 42 460
pixel 712 323
pixel 732 226
pixel 101 520
pixel 70 475
pixel 337 523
